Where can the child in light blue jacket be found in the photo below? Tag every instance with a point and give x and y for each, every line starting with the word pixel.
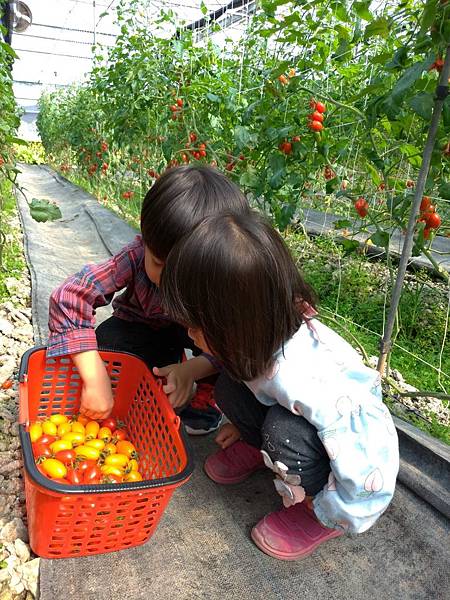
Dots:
pixel 299 399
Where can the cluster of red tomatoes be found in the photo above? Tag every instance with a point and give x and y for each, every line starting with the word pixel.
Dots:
pixel 362 207
pixel 176 108
pixel 285 80
pixel 197 152
pixel 429 216
pixel 286 146
pixel 100 155
pixel 82 451
pixel 127 195
pixel 315 119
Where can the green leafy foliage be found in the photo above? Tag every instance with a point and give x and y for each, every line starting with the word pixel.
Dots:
pixel 44 210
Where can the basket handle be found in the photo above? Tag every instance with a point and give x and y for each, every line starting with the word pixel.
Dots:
pixel 23 407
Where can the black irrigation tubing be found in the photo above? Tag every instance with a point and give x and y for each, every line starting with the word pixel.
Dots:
pixel 441 94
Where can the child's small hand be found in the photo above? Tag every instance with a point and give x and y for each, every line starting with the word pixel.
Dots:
pixel 228 435
pixel 179 383
pixel 97 400
pixel 96 394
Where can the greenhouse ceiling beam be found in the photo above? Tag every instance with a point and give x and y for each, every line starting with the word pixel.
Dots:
pixel 52 53
pixel 216 14
pixel 71 29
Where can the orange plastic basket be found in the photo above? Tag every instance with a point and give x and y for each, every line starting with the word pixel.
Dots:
pixel 80 520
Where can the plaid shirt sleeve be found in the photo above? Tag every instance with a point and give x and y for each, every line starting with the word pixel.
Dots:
pixel 72 305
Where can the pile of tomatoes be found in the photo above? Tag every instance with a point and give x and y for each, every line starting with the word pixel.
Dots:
pixel 80 451
pixel 315 119
pixel 429 216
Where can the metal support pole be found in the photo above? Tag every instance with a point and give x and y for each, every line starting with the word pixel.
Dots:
pixel 95 23
pixel 441 94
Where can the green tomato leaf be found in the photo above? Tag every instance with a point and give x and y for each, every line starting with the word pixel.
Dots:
pixel 428 16
pixel 380 239
pixel 398 59
pixel 249 178
pixel 362 9
pixel 342 224
pixel 44 210
pixel 243 137
pixel 213 97
pixel 350 246
pixel 277 164
pixel 379 27
pixel 413 154
pixel 444 190
pixel 422 104
pixel 410 76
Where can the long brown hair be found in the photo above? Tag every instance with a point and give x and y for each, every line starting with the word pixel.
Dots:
pixel 234 278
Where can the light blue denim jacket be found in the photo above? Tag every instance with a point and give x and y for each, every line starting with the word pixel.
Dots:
pixel 319 376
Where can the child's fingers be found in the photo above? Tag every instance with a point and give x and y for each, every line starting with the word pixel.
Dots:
pixel 162 371
pixel 169 388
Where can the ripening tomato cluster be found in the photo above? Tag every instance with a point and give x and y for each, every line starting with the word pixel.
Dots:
pixel 176 108
pixel 316 118
pixel 429 216
pixel 127 195
pixel 197 152
pixel 82 451
pixel 362 207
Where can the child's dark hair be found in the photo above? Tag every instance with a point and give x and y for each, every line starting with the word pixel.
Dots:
pixel 180 199
pixel 234 278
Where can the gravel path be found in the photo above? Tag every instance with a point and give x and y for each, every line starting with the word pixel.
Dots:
pixel 19 568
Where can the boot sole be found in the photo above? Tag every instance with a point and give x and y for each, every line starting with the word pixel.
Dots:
pixel 261 544
pixel 226 481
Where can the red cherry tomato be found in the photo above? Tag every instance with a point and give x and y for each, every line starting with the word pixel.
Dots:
pixel 92 475
pixel 83 466
pixel 120 434
pixel 316 126
pixel 40 449
pixel 433 221
pixel 66 456
pixel 317 116
pixel 109 422
pixel 425 204
pixel 46 439
pixel 320 107
pixel 74 476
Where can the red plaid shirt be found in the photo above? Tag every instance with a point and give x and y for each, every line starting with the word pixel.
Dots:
pixel 73 304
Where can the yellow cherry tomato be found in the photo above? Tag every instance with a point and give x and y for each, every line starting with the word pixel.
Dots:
pixel 83 420
pixel 99 444
pixel 60 445
pixel 105 434
pixel 111 470
pixel 127 448
pixel 54 468
pixel 133 476
pixel 78 427
pixel 64 428
pixel 35 431
pixel 73 436
pixel 49 428
pixel 58 419
pixel 117 460
pixel 133 465
pixel 87 452
pixel 91 429
pixel 109 449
